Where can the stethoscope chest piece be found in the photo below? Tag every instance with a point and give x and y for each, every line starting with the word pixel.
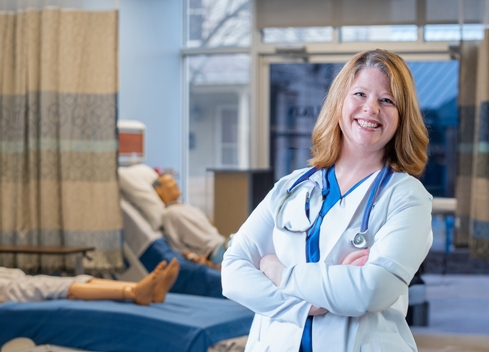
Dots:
pixel 359 241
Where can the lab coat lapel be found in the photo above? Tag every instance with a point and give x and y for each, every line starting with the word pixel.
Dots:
pixel 345 212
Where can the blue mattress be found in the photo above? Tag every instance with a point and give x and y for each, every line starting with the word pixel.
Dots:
pixel 182 323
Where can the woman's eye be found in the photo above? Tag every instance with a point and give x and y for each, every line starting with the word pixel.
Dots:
pixel 388 101
pixel 359 94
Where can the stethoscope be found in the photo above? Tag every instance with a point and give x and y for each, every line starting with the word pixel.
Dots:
pixel 359 241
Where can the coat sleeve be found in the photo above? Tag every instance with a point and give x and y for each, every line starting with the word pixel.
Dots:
pixel 242 280
pixel 400 246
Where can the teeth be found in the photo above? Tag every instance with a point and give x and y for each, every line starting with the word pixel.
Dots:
pixel 367 124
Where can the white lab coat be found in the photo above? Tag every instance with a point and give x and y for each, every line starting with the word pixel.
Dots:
pixel 367 305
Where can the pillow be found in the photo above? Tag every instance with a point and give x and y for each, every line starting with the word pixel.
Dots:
pixel 136 183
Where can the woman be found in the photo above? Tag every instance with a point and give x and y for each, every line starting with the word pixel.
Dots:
pixel 19 287
pixel 359 199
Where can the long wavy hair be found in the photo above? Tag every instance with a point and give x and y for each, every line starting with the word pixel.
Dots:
pixel 407 150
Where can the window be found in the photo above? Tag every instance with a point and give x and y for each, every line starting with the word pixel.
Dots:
pixel 297 91
pixel 218 103
pixel 379 33
pixel 297 35
pixel 221 23
pixel 453 32
pixel 228 143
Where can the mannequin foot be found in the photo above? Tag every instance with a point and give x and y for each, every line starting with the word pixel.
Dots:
pixel 167 280
pixel 144 289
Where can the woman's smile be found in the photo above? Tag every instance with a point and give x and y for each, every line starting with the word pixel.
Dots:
pixel 367 124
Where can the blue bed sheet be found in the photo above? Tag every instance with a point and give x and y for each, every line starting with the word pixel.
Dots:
pixel 183 323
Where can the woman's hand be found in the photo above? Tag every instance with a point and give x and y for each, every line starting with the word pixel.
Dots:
pixel 272 268
pixel 357 258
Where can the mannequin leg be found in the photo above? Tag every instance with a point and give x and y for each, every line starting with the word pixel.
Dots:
pixel 89 292
pixel 96 281
pixel 140 293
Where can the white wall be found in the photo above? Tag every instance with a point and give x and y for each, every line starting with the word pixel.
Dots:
pixel 150 75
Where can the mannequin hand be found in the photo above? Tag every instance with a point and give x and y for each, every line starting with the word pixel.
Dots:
pixel 195 258
pixel 272 268
pixel 357 258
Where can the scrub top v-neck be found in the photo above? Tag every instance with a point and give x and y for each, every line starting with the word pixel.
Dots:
pixel 331 195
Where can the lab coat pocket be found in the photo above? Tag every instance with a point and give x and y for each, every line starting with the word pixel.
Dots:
pixel 385 342
pixel 257 346
pixel 270 336
pixel 263 325
pixel 257 340
pixel 256 336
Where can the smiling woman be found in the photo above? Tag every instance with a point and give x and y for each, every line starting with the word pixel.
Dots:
pixel 299 247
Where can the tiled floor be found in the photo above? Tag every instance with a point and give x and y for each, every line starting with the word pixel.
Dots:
pixel 459 300
pixel 458 314
pixel 459 304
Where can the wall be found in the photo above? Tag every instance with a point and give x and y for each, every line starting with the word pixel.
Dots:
pixel 150 75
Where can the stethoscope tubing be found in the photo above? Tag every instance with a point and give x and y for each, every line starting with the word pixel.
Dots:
pixel 380 181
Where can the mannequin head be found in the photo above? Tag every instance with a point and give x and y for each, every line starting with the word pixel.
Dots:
pixel 167 188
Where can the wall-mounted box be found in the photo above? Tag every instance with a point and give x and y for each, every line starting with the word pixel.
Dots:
pixel 131 142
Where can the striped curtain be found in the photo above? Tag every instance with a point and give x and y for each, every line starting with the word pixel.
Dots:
pixel 472 191
pixel 58 167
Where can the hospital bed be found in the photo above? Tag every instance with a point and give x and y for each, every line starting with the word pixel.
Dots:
pixel 188 321
pixel 183 323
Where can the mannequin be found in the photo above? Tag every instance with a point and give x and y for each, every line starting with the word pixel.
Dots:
pixel 16 286
pixel 187 228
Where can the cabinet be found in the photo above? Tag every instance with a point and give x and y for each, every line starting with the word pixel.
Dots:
pixel 236 194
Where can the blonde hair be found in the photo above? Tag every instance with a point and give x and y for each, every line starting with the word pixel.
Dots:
pixel 407 150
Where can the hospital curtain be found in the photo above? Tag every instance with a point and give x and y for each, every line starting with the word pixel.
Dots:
pixel 58 148
pixel 473 171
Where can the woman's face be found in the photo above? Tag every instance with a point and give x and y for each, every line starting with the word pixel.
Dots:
pixel 369 116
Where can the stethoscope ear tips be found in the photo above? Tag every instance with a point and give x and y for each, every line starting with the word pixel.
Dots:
pixel 359 241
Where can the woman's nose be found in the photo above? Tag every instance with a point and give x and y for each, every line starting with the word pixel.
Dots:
pixel 372 107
